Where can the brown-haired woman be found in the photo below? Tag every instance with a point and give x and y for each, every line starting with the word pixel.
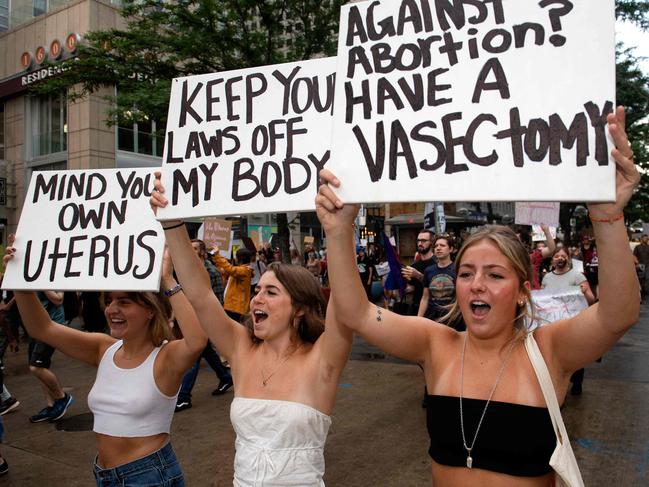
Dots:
pixel 285 364
pixel 487 416
pixel 139 371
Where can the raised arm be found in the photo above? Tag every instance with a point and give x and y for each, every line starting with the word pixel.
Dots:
pixel 87 347
pixel 401 336
pixel 582 339
pixel 226 334
pixel 181 354
pixel 550 245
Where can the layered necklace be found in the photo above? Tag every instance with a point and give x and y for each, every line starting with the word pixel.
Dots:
pixel 469 449
pixel 266 378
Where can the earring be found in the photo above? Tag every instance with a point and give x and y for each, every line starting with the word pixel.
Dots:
pixel 521 303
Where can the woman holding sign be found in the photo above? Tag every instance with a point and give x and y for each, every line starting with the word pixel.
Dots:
pixel 285 362
pixel 487 415
pixel 140 369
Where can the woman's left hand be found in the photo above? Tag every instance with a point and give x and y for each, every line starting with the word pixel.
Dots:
pixel 626 174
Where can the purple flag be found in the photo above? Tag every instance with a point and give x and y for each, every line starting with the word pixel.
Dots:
pixel 394 279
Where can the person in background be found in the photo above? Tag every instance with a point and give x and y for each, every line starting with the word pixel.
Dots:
pixel 237 292
pixel 40 361
pixel 641 255
pixel 538 254
pixel 4 466
pixel 313 264
pixel 414 273
pixel 209 354
pixel 564 276
pixel 366 270
pixel 591 262
pixel 7 340
pixel 92 312
pixel 258 268
pixel 296 259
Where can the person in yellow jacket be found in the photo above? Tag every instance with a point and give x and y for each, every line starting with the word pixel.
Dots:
pixel 237 290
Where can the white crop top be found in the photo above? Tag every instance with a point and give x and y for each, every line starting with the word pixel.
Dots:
pixel 127 402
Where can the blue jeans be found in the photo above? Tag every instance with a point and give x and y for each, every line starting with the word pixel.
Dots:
pixel 160 468
pixel 189 380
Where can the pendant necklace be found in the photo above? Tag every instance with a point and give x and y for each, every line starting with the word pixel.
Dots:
pixel 469 458
pixel 264 380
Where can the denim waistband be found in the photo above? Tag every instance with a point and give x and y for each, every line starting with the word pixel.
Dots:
pixel 164 457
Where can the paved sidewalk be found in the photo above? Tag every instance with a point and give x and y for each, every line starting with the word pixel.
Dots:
pixel 378 436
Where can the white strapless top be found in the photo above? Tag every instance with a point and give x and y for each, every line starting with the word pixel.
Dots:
pixel 279 443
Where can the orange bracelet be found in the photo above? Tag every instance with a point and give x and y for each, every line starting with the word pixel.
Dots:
pixel 606 220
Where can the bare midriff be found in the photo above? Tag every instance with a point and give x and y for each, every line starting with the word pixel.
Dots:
pixel 116 450
pixel 444 476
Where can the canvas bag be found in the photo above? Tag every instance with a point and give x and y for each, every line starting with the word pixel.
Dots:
pixel 563 459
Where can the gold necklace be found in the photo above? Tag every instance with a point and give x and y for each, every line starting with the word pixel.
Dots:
pixel 264 380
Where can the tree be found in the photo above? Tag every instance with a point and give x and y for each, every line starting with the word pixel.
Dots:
pixel 164 40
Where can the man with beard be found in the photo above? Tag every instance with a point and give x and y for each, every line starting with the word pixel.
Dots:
pixel 439 284
pixel 564 276
pixel 414 273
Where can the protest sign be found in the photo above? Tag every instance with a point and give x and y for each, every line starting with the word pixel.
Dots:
pixel 500 100
pixel 88 230
pixel 542 213
pixel 557 304
pixel 248 141
pixel 217 233
pixel 538 235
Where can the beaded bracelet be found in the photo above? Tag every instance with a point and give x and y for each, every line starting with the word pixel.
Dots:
pixel 174 290
pixel 606 220
pixel 178 225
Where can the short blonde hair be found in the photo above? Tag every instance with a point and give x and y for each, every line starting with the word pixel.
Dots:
pixel 159 304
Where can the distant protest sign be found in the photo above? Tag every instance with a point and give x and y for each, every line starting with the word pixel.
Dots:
pixel 217 233
pixel 542 213
pixel 248 141
pixel 88 230
pixel 557 304
pixel 538 235
pixel 499 100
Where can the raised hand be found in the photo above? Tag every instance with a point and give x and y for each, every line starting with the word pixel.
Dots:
pixel 332 213
pixel 626 174
pixel 10 250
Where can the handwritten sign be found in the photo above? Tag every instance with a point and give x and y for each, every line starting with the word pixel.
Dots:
pixel 217 233
pixel 543 213
pixel 88 230
pixel 473 101
pixel 248 141
pixel 558 304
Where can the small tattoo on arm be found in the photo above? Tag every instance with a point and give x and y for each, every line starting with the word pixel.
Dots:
pixel 378 314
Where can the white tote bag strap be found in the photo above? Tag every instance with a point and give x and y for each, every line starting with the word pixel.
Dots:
pixel 543 375
pixel 563 459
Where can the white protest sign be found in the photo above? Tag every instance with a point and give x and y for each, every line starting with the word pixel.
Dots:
pixel 501 100
pixel 90 230
pixel 248 141
pixel 538 235
pixel 542 213
pixel 557 304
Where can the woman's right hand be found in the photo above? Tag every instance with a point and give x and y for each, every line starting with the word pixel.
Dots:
pixel 332 213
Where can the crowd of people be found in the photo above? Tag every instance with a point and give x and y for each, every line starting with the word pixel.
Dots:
pixel 286 344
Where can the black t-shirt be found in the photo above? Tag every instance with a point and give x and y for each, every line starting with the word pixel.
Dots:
pixel 421 266
pixel 440 282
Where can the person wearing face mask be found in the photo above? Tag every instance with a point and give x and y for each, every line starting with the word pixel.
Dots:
pixel 563 276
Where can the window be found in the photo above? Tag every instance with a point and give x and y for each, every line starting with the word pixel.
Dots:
pixel 49 125
pixel 2 131
pixel 40 7
pixel 146 137
pixel 4 15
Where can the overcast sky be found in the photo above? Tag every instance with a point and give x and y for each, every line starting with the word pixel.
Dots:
pixel 631 36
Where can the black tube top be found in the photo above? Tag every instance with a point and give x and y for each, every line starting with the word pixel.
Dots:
pixel 514 439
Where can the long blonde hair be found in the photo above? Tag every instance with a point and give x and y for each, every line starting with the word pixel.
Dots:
pixel 513 249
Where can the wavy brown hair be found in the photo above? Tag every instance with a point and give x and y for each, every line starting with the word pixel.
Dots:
pixel 513 249
pixel 306 295
pixel 159 304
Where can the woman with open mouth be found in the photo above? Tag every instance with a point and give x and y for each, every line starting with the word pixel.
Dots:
pixel 139 371
pixel 487 417
pixel 286 362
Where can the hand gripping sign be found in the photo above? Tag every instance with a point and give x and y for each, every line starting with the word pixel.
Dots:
pixel 88 230
pixel 474 100
pixel 248 141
